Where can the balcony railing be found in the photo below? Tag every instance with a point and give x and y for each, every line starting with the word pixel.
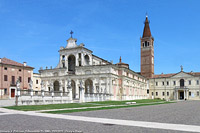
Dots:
pixel 12 83
pixel 181 87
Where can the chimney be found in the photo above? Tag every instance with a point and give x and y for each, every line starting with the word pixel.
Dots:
pixel 24 63
pixel 0 60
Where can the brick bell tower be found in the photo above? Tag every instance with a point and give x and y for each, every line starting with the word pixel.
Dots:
pixel 147 51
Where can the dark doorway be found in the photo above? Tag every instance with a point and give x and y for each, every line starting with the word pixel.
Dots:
pixel 182 83
pixel 88 86
pixel 56 86
pixel 181 95
pixel 73 84
pixel 12 92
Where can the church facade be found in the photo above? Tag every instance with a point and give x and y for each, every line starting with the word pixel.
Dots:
pixel 80 68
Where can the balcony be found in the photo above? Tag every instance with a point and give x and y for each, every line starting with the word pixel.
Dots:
pixel 181 87
pixel 71 72
pixel 12 84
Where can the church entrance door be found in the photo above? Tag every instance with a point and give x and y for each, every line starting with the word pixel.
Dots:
pixel 181 95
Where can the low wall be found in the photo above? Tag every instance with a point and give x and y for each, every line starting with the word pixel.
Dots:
pixel 97 97
pixel 27 97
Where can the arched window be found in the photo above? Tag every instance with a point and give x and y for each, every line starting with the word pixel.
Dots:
pixel 145 43
pixel 71 63
pixel 182 83
pixel 87 59
pixel 88 86
pixel 56 86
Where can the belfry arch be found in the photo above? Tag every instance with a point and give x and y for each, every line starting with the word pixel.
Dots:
pixel 71 63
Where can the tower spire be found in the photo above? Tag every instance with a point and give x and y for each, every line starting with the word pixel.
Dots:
pixel 147 31
pixel 147 51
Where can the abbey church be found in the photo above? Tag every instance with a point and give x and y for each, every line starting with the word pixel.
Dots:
pixel 98 76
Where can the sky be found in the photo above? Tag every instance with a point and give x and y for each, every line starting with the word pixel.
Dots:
pixel 34 30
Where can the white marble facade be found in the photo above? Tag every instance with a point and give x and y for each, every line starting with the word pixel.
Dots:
pixel 78 65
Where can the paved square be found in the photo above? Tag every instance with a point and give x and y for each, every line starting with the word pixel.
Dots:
pixel 184 112
pixel 177 113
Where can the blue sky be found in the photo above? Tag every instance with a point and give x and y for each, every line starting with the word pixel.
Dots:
pixel 34 30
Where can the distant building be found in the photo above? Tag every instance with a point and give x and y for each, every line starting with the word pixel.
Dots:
pixel 178 86
pixel 10 71
pixel 36 82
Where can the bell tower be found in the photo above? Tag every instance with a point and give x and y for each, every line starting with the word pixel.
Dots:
pixel 147 51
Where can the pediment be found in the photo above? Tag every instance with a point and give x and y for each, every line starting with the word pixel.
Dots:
pixel 182 75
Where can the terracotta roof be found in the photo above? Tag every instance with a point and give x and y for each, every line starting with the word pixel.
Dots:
pixel 195 73
pixel 13 63
pixel 163 75
pixel 172 74
pixel 147 31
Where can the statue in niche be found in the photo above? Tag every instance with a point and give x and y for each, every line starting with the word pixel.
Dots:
pixel 92 89
pixel 51 86
pixel 42 84
pixel 18 83
pixel 69 83
pixel 105 90
pixel 31 84
pixel 101 90
pixel 97 89
pixel 81 84
pixel 88 89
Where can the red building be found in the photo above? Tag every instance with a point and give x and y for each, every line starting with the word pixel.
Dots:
pixel 10 71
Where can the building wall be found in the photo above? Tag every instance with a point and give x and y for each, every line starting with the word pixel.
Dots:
pixel 36 82
pixel 17 72
pixel 166 85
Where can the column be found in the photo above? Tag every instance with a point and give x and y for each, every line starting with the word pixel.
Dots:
pixel 82 60
pixel 66 61
pixel 184 94
pixel 60 62
pixel 107 88
pixel 94 86
pixel 77 64
pixel 176 94
pixel 77 88
pixel 90 59
pixel 100 84
pixel 110 86
pixel 60 85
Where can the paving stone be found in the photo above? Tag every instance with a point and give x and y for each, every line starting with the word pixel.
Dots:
pixel 23 122
pixel 184 112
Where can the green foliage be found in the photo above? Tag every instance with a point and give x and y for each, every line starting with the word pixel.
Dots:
pixel 50 106
pixel 102 108
pixel 79 105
